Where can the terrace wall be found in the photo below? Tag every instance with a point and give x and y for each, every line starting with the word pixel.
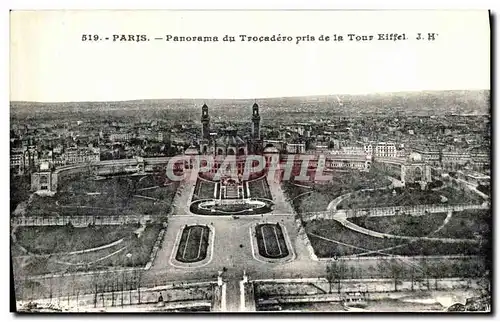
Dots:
pixel 188 295
pixel 107 167
pixel 310 290
pixel 78 221
pixel 390 211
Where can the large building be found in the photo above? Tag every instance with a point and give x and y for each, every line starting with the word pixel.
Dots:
pixel 296 148
pixel 24 159
pixel 77 155
pixel 455 159
pixel 120 137
pixel 228 142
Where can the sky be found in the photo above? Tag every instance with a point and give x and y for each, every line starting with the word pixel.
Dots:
pixel 50 63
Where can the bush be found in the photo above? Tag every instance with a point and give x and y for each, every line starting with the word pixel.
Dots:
pixel 484 189
pixel 435 184
pixel 413 185
pixel 70 227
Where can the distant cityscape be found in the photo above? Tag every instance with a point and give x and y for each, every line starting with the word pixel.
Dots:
pixel 454 142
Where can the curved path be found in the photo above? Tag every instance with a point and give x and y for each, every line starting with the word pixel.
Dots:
pixel 335 202
pixel 445 222
pixel 91 262
pixel 300 195
pixel 342 219
pixel 88 250
pixel 380 251
pixel 383 250
pixel 134 213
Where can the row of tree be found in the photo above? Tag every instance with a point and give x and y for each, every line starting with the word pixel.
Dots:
pixel 421 271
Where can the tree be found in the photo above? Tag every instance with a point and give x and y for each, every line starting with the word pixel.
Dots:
pixel 425 269
pixel 437 273
pixel 69 227
pixel 371 271
pixel 485 284
pixel 353 272
pixel 335 272
pixel 396 271
pixel 138 284
pixel 112 284
pixel 412 277
pixel 331 275
pixel 95 281
pixel 50 288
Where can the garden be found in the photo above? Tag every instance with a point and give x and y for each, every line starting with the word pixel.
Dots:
pixel 56 239
pixel 408 196
pixel 259 188
pixel 54 247
pixel 330 239
pixel 402 224
pixel 321 194
pixel 108 196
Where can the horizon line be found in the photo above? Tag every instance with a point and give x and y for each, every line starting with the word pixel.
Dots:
pixel 250 98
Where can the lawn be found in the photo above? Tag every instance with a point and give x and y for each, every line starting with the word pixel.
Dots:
pixel 112 196
pixel 468 224
pixel 37 266
pixel 103 200
pixel 402 225
pixel 151 180
pixel 349 181
pixel 335 231
pixel 259 189
pixel 486 189
pixel 203 190
pixel 121 185
pixel 429 248
pixel 113 192
pixel 312 202
pixel 292 190
pixel 408 197
pixel 42 206
pixel 270 241
pixel 165 193
pixel 323 193
pixel 193 245
pixel 19 190
pixel 94 257
pixel 55 239
pixel 460 196
pixel 84 191
pixel 139 248
pixel 386 198
pixel 144 206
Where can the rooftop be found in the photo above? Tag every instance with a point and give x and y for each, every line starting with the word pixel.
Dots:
pixel 230 138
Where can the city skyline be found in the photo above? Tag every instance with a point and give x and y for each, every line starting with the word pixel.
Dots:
pixel 334 96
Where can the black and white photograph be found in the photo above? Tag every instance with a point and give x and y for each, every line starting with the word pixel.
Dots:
pixel 259 161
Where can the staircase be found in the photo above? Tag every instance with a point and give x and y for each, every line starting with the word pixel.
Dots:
pixel 232 192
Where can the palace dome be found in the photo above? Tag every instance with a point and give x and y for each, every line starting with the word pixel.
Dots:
pixel 230 139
